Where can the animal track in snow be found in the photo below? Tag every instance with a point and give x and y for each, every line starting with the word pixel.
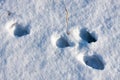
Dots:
pixel 21 31
pixel 17 30
pixel 62 42
pixel 94 61
pixel 86 36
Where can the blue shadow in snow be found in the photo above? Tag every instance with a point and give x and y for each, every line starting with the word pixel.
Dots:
pixel 62 43
pixel 86 36
pixel 21 31
pixel 94 61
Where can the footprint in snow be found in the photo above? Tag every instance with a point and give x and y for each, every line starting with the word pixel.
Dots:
pixel 17 30
pixel 21 31
pixel 94 61
pixel 61 41
pixel 87 36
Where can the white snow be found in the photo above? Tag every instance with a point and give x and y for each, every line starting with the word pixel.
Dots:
pixel 35 45
pixel 10 26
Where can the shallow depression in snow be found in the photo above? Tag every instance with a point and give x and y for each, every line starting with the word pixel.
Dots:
pixel 94 61
pixel 21 31
pixel 62 43
pixel 86 36
pixel 17 30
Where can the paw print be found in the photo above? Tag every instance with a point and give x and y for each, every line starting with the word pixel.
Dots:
pixel 76 37
pixel 17 30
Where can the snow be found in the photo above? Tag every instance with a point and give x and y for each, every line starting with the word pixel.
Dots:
pixel 35 44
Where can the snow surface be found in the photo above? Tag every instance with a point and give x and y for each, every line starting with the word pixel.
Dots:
pixel 35 44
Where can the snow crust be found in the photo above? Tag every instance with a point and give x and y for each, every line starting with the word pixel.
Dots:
pixel 34 44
